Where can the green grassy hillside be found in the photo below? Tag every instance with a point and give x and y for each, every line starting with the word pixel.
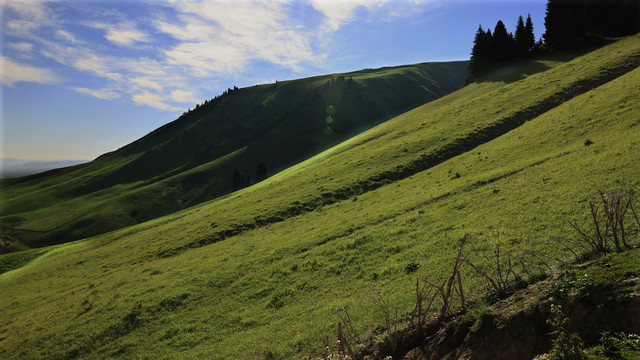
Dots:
pixel 259 273
pixel 193 158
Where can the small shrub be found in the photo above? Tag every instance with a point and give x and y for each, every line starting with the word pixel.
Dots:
pixel 270 355
pixel 561 288
pixel 411 267
pixel 619 346
pixel 588 142
pixel 566 346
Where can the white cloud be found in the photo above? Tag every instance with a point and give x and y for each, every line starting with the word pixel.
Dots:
pixel 191 28
pixel 32 8
pixel 13 72
pixel 338 12
pixel 21 46
pixel 20 27
pixel 146 82
pixel 223 37
pixel 83 59
pixel 24 16
pixel 65 35
pixel 122 34
pixel 153 100
pixel 101 94
pixel 207 59
pixel 184 96
pixel 404 9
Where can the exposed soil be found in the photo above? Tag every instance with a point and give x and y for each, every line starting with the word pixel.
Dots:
pixel 516 328
pixel 9 244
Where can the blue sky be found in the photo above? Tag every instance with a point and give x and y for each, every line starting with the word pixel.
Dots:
pixel 81 78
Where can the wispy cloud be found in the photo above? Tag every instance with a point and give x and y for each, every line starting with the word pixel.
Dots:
pixel 184 96
pixel 101 94
pixel 153 100
pixel 65 35
pixel 28 15
pixel 147 82
pixel 222 37
pixel 338 12
pixel 12 73
pixel 22 46
pixel 122 34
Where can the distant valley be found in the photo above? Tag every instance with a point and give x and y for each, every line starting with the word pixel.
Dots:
pixel 13 168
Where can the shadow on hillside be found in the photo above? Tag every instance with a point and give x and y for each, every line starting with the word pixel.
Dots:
pixel 543 59
pixel 516 72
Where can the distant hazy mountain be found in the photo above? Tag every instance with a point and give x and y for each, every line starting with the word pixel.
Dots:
pixel 11 168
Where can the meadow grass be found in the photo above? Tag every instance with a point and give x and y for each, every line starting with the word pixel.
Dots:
pixel 159 289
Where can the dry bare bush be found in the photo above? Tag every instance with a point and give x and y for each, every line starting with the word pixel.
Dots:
pixel 390 316
pixel 505 269
pixel 499 268
pixel 613 221
pixel 449 290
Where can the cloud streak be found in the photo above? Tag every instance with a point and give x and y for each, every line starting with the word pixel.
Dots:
pixel 21 46
pixel 339 12
pixel 12 73
pixel 100 94
pixel 122 34
pixel 223 37
pixel 153 100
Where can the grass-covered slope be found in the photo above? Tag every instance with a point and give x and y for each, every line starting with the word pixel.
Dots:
pixel 261 272
pixel 193 158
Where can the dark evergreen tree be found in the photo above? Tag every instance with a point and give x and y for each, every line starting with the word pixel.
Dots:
pixel 564 22
pixel 522 46
pixel 261 172
pixel 567 21
pixel 612 17
pixel 239 180
pixel 530 37
pixel 503 44
pixel 480 53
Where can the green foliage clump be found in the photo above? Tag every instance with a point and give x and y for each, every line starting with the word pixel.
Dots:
pixel 571 280
pixel 619 346
pixel 569 346
pixel 565 346
pixel 411 267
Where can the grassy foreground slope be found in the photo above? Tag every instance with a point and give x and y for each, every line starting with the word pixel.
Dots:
pixel 222 280
pixel 192 159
